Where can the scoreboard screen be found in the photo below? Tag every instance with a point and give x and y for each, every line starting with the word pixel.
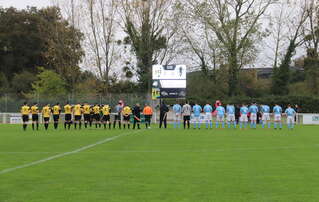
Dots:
pixel 169 81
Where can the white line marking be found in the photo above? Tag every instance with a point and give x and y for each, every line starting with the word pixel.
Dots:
pixel 65 154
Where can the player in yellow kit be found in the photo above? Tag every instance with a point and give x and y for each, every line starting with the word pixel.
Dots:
pixel 77 112
pixel 126 116
pixel 106 110
pixel 35 115
pixel 56 110
pixel 46 113
pixel 97 117
pixel 25 111
pixel 86 114
pixel 68 115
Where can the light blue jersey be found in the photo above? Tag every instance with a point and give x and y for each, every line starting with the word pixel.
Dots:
pixel 197 110
pixel 290 111
pixel 208 109
pixel 220 111
pixel 265 109
pixel 177 108
pixel 244 110
pixel 230 109
pixel 253 109
pixel 277 109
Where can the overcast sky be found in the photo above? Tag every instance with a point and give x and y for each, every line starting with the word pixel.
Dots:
pixel 24 3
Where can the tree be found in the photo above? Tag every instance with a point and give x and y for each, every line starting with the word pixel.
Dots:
pixel 236 24
pixel 145 25
pixel 49 84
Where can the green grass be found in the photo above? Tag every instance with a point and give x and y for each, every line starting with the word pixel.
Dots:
pixel 161 165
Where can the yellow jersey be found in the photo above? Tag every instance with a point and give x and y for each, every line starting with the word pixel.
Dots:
pixel 25 110
pixel 86 109
pixel 106 110
pixel 68 109
pixel 77 110
pixel 127 110
pixel 56 110
pixel 46 111
pixel 34 109
pixel 96 109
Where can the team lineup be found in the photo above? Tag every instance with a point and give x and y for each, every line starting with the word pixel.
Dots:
pixel 124 115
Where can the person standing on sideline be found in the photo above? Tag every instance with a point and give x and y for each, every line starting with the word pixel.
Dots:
pixel 253 110
pixel 265 110
pixel 220 116
pixel 163 115
pixel 137 116
pixel 25 111
pixel 106 111
pixel 118 115
pixel 148 113
pixel 230 114
pixel 86 114
pixel 186 112
pixel 243 120
pixel 277 110
pixel 208 110
pixel 67 115
pixel 177 109
pixel 56 115
pixel 291 113
pixel 197 110
pixel 46 113
pixel 35 116
pixel 126 112
pixel 97 116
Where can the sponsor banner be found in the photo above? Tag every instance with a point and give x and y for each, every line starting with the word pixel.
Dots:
pixel 310 119
pixel 15 120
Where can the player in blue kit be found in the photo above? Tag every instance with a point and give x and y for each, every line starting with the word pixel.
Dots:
pixel 277 110
pixel 265 110
pixel 243 120
pixel 177 109
pixel 291 113
pixel 253 110
pixel 208 109
pixel 220 116
pixel 197 110
pixel 230 114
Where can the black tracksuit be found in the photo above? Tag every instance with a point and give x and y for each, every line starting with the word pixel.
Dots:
pixel 137 116
pixel 163 115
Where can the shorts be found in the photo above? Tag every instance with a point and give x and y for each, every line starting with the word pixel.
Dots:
pixel 77 117
pixel 187 118
pixel 253 117
pixel 197 119
pixel 56 118
pixel 208 116
pixel 25 118
pixel 106 118
pixel 126 118
pixel 87 117
pixel 290 119
pixel 96 117
pixel 243 118
pixel 220 118
pixel 230 117
pixel 35 117
pixel 148 118
pixel 277 117
pixel 46 119
pixel 67 117
pixel 177 117
pixel 117 117
pixel 265 117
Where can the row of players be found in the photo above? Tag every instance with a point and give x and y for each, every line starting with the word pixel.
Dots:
pixel 91 114
pixel 94 113
pixel 246 113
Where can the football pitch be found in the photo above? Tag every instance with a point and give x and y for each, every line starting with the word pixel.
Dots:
pixel 159 165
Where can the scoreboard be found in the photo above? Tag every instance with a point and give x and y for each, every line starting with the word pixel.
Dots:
pixel 169 81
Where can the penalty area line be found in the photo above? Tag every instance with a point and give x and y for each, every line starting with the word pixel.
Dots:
pixel 8 170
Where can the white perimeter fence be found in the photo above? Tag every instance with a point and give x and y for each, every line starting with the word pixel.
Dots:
pixel 15 118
